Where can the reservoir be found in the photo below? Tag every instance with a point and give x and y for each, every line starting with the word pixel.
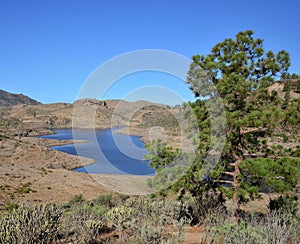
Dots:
pixel 113 153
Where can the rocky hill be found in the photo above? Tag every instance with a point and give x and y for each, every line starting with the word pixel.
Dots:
pixel 10 99
pixel 21 115
pixel 30 120
pixel 286 87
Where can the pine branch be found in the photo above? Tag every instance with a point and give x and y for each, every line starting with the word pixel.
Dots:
pixel 223 181
pixel 264 155
pixel 250 130
pixel 228 173
pixel 232 152
pixel 255 155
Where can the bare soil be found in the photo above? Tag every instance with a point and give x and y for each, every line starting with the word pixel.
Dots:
pixel 32 173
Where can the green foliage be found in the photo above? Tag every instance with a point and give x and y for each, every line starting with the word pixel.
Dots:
pixel 284 204
pixel 240 71
pixel 235 67
pixel 160 155
pixel 75 199
pixel 292 84
pixel 9 207
pixel 150 233
pixel 296 152
pixel 143 220
pixel 287 86
pixel 105 200
pixel 278 175
pixel 166 177
pixel 203 123
pixel 170 164
pixel 206 201
pixel 24 188
pixel 291 114
pixel 290 76
pixel 2 137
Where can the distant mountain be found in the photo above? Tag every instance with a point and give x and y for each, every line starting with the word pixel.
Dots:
pixel 10 99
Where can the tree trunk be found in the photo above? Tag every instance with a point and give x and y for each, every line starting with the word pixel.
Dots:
pixel 236 180
pixel 235 196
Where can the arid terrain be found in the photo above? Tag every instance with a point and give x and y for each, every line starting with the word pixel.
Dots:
pixel 31 173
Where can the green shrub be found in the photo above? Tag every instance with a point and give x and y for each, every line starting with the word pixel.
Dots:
pixel 105 200
pixel 93 208
pixel 74 200
pixel 9 207
pixel 284 204
pixel 2 137
pixel 271 228
pixel 205 203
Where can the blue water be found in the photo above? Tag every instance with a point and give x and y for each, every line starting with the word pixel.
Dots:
pixel 113 153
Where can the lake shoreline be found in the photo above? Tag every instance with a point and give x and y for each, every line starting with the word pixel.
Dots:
pixel 121 129
pixel 29 161
pixel 114 163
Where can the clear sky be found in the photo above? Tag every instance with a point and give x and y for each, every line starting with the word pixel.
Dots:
pixel 48 48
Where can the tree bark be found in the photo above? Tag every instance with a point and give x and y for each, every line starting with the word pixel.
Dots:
pixel 236 180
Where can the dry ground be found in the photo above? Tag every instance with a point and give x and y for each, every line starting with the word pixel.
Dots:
pixel 31 173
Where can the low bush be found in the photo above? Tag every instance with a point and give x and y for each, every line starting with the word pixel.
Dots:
pixel 285 204
pixel 74 200
pixel 30 225
pixel 274 228
pixel 145 220
pixel 155 221
pixel 83 223
pixel 105 200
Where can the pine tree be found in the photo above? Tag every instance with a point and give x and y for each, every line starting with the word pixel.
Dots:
pixel 241 71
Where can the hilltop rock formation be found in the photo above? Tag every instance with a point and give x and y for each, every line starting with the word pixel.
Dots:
pixel 286 86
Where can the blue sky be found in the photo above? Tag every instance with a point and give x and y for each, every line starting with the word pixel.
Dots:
pixel 48 48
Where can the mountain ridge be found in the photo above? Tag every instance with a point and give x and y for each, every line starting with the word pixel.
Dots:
pixel 10 99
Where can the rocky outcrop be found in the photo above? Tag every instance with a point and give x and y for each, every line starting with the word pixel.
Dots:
pixel 91 103
pixel 282 87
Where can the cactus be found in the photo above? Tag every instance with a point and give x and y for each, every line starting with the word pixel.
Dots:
pixel 119 216
pixel 151 233
pixel 155 221
pixel 83 223
pixel 35 225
